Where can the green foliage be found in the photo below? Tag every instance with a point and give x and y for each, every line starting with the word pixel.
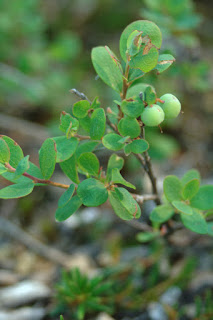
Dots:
pixel 92 192
pixel 97 125
pixel 107 67
pixel 128 121
pixel 84 294
pixel 47 158
pixel 17 190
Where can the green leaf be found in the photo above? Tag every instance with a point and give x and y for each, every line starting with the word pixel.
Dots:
pixel 85 146
pixel 92 192
pixel 195 222
pixel 66 196
pixel 95 103
pixel 149 29
pixel 150 96
pixel 4 152
pixel 129 127
pixel 136 146
pixel 107 67
pixel 145 62
pixel 164 62
pixel 134 91
pixel 16 153
pixel 68 123
pixel 111 141
pixel 85 123
pixel 61 317
pixel 190 175
pixel 98 124
pixel 114 162
pixel 161 213
pixel 17 190
pixel 123 204
pixel 190 189
pixel 117 178
pixel 172 188
pixel 132 108
pixel 203 200
pixel 65 147
pixel 147 236
pixel 68 209
pixel 2 169
pixel 22 167
pixel 47 158
pixel 182 207
pixel 89 163
pixel 80 108
pixel 69 167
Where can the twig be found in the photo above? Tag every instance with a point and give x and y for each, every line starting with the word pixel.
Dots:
pixel 146 197
pixel 33 244
pixel 139 225
pixel 37 180
pixel 81 95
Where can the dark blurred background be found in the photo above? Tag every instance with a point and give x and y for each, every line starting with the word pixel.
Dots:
pixel 45 51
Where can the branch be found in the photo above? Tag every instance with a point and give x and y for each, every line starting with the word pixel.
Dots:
pixel 37 180
pixel 81 95
pixel 33 244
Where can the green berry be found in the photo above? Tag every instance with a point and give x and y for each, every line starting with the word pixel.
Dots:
pixel 171 106
pixel 152 116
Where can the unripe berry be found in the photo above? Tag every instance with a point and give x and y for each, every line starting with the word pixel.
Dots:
pixel 152 116
pixel 171 106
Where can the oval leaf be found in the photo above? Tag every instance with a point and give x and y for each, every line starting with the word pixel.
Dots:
pixel 68 209
pixel 132 108
pixel 190 175
pixel 17 190
pixel 136 146
pixel 129 127
pixel 195 222
pixel 117 178
pixel 66 196
pixel 65 147
pixel 149 29
pixel 16 153
pixel 98 123
pixel 111 141
pixel 203 200
pixel 161 213
pixel 92 192
pixel 107 67
pixel 145 62
pixel 123 204
pixel 190 189
pixel 182 207
pixel 172 188
pixel 89 163
pixel 47 158
pixel 80 108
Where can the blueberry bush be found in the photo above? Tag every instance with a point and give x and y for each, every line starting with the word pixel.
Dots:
pixel 120 129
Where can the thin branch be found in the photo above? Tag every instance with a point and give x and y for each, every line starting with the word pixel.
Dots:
pixel 146 197
pixel 139 225
pixel 81 95
pixel 33 244
pixel 82 137
pixel 37 180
